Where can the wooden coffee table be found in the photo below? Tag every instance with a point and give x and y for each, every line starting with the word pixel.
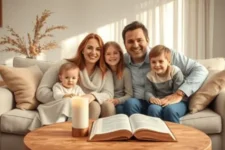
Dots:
pixel 59 137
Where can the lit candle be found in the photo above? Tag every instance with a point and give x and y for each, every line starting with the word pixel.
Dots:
pixel 80 116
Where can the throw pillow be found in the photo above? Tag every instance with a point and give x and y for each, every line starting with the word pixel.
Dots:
pixel 23 82
pixel 208 91
pixel 2 83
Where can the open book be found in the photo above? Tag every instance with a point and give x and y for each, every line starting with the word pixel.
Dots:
pixel 122 127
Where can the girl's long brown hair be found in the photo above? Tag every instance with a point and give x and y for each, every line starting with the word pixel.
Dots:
pixel 79 58
pixel 120 65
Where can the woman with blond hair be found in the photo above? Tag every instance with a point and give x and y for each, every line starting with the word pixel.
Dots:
pixel 95 80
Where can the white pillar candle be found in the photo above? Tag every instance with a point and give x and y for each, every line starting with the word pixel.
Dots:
pixel 80 112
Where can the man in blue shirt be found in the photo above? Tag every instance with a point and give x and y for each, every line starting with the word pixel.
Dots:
pixel 136 41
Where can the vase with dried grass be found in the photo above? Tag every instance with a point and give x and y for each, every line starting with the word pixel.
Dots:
pixel 32 47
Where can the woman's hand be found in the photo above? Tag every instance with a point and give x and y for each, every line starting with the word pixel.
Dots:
pixel 90 97
pixel 156 101
pixel 114 101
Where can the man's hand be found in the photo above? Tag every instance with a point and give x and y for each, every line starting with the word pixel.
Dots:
pixel 173 98
pixel 156 101
pixel 114 101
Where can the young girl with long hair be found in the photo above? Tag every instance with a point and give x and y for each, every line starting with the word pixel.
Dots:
pixel 121 75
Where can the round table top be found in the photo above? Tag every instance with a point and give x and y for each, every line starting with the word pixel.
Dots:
pixel 59 137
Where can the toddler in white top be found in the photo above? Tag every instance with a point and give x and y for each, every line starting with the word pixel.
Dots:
pixel 67 87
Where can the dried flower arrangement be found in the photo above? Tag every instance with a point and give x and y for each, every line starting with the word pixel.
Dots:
pixel 18 44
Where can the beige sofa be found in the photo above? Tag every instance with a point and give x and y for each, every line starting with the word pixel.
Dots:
pixel 14 122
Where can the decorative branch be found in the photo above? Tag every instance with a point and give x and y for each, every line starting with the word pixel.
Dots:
pixel 34 48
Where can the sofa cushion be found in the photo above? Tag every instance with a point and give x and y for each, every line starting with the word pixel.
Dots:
pixel 207 121
pixel 6 100
pixel 23 82
pixel 213 63
pixel 17 121
pixel 27 62
pixel 214 83
pixel 210 87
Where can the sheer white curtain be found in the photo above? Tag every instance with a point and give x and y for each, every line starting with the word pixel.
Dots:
pixel 183 25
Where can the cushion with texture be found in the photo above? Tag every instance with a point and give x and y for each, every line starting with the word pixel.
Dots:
pixel 213 63
pixel 2 83
pixel 206 120
pixel 17 121
pixel 23 82
pixel 208 91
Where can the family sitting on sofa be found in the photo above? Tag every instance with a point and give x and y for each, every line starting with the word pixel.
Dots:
pixel 113 88
pixel 157 82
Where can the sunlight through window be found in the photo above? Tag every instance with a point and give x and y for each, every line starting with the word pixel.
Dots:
pixel 112 32
pixel 163 20
pixel 69 46
pixel 168 23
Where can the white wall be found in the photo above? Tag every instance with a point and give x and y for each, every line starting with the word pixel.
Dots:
pixel 81 17
pixel 219 29
pixel 105 17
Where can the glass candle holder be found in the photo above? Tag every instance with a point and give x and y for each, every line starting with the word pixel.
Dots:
pixel 80 116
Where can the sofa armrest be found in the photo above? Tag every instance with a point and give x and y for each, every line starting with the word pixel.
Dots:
pixel 219 107
pixel 219 104
pixel 6 100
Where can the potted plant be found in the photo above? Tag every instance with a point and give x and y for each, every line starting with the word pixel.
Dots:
pixel 32 46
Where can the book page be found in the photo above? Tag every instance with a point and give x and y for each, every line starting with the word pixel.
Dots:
pixel 139 121
pixel 110 124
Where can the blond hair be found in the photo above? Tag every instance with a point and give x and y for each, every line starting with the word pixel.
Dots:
pixel 67 66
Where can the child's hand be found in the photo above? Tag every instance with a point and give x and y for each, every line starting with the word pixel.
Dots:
pixel 90 97
pixel 66 95
pixel 156 101
pixel 114 101
pixel 171 99
pixel 69 95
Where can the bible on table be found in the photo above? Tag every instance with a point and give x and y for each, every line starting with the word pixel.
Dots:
pixel 122 127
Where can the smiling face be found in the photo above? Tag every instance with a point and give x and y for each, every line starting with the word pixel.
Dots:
pixel 69 77
pixel 159 64
pixel 136 45
pixel 91 52
pixel 112 56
